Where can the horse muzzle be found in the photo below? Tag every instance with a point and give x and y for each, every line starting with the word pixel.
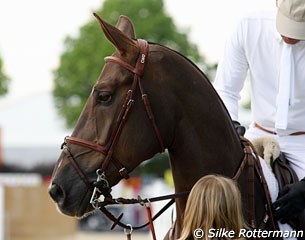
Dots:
pixel 71 203
pixel 57 193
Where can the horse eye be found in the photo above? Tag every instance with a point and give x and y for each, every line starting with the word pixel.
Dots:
pixel 104 97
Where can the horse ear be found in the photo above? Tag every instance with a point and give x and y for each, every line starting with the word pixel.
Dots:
pixel 126 26
pixel 120 36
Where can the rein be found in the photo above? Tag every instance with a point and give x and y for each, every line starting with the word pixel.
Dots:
pixel 250 159
pixel 143 202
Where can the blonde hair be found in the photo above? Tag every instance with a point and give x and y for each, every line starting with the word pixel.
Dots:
pixel 214 202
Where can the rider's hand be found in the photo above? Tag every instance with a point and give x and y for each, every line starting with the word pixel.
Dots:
pixel 239 129
pixel 290 202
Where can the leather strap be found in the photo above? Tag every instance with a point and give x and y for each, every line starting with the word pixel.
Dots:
pixel 250 161
pixel 108 149
pixel 117 220
pixel 254 166
pixel 75 165
pixel 87 144
pixel 260 173
pixel 274 133
pixel 151 222
pixel 138 71
pixel 95 147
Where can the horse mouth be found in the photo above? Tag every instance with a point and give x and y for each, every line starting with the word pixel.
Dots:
pixel 80 210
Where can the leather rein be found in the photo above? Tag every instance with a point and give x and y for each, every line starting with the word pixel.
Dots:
pixel 100 187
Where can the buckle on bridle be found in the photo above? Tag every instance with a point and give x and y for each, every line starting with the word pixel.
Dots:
pixel 64 143
pixel 101 189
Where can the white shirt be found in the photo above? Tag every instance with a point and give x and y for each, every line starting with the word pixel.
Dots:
pixel 255 48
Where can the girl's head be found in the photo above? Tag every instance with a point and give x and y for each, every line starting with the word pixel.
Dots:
pixel 214 202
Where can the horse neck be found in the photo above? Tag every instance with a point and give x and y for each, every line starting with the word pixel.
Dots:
pixel 205 139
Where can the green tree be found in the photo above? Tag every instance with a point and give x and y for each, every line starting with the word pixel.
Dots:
pixel 155 166
pixel 82 59
pixel 4 80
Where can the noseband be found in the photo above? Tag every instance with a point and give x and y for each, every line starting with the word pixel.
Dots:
pixel 101 186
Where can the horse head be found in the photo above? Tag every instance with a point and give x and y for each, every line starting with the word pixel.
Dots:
pixel 147 98
pixel 118 128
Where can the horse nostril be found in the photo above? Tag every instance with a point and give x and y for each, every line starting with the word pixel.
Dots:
pixel 56 193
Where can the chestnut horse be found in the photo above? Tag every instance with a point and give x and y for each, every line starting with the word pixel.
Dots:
pixel 148 98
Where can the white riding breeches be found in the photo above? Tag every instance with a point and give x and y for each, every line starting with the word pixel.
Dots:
pixel 292 146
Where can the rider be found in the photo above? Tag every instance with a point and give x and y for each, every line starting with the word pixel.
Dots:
pixel 271 47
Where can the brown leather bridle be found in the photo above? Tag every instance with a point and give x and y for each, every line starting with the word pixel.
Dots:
pixel 101 186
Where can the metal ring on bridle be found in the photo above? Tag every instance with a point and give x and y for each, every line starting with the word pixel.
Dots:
pixel 130 229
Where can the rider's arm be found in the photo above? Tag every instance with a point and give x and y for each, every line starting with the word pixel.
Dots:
pixel 290 202
pixel 232 70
